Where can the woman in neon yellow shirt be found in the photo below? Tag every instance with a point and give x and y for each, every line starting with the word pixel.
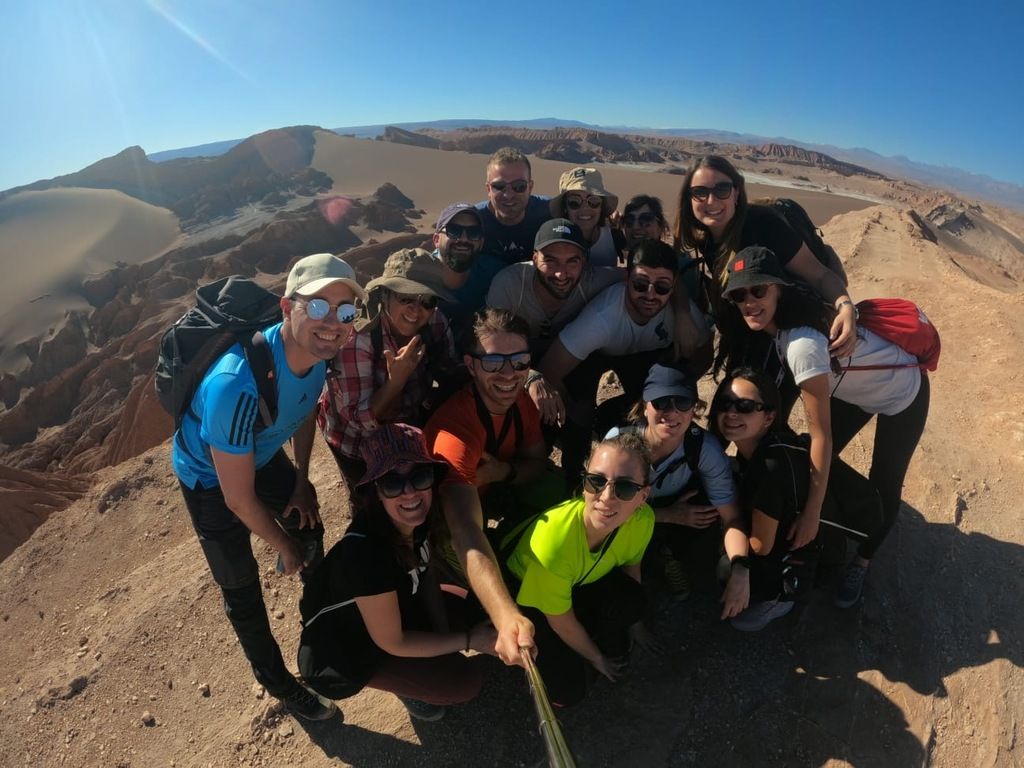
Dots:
pixel 576 570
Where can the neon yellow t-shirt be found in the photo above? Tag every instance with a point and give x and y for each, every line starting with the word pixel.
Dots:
pixel 552 557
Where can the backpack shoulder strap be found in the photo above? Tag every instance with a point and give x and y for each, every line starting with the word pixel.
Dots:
pixel 693 443
pixel 261 361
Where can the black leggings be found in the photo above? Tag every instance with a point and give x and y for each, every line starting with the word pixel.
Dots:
pixel 606 608
pixel 896 439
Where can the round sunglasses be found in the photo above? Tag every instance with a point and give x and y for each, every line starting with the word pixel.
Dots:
pixel 575 203
pixel 680 403
pixel 739 295
pixel 661 287
pixel 623 488
pixel 425 300
pixel 317 309
pixel 392 485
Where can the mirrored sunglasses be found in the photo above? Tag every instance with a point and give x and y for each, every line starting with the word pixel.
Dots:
pixel 575 203
pixel 317 309
pixel 661 287
pixel 623 488
pixel 679 403
pixel 493 363
pixel 721 190
pixel 739 295
pixel 742 405
pixel 518 186
pixel 644 219
pixel 470 231
pixel 393 484
pixel 425 300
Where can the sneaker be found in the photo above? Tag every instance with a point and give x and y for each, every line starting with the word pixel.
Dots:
pixel 852 586
pixel 676 580
pixel 757 616
pixel 309 705
pixel 422 710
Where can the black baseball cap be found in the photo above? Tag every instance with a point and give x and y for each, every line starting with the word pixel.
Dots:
pixel 559 231
pixel 754 265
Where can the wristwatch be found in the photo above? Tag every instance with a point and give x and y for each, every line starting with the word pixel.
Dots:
pixel 856 312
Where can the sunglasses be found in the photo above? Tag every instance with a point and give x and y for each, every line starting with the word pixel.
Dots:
pixel 575 203
pixel 679 403
pixel 392 485
pixel 661 287
pixel 424 300
pixel 739 295
pixel 644 219
pixel 457 231
pixel 622 488
pixel 742 405
pixel 494 363
pixel 721 190
pixel 518 186
pixel 317 309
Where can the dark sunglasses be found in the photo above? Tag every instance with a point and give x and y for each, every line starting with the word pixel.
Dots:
pixel 470 232
pixel 425 300
pixel 575 203
pixel 393 485
pixel 679 403
pixel 518 186
pixel 317 309
pixel 494 363
pixel 622 488
pixel 639 219
pixel 662 287
pixel 721 190
pixel 739 295
pixel 742 405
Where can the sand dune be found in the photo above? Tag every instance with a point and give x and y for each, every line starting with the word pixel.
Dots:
pixel 50 241
pixel 433 178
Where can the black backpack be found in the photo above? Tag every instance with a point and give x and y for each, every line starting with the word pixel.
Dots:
pixel 229 311
pixel 798 220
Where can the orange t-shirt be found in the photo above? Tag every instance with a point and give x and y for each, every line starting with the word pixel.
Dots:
pixel 456 434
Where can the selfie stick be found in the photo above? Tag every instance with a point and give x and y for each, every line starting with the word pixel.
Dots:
pixel 559 755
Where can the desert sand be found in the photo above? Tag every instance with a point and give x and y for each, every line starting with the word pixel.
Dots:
pixel 109 613
pixel 51 241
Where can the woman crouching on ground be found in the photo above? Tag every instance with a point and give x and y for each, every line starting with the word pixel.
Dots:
pixel 373 614
pixel 692 486
pixel 576 570
pixel 774 472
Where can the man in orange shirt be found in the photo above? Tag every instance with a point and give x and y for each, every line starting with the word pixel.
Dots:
pixel 490 433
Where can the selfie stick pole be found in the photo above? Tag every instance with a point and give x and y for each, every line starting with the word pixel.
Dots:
pixel 559 755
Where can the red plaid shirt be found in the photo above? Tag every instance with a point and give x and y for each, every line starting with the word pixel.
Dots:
pixel 344 415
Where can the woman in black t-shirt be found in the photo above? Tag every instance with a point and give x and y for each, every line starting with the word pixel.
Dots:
pixel 373 614
pixel 774 479
pixel 715 219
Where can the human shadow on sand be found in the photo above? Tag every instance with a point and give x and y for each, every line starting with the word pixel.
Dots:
pixel 938 600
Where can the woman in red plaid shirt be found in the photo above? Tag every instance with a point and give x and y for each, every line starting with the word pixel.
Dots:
pixel 387 371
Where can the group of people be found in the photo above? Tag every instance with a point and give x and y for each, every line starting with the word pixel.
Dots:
pixel 472 363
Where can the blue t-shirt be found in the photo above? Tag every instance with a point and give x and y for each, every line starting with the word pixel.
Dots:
pixel 513 244
pixel 472 294
pixel 224 408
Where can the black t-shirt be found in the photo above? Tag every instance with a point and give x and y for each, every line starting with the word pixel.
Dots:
pixel 363 563
pixel 763 226
pixel 776 481
pixel 514 243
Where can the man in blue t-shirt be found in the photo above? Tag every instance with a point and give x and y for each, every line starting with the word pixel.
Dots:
pixel 237 479
pixel 465 271
pixel 511 214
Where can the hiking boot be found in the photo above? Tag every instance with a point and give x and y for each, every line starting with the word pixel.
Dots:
pixel 309 705
pixel 852 586
pixel 676 580
pixel 757 616
pixel 422 710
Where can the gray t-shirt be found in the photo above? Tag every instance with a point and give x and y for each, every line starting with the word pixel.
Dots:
pixel 887 391
pixel 513 289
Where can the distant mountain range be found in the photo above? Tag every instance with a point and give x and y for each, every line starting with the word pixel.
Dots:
pixel 956 179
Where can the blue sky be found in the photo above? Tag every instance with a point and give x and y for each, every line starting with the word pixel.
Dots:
pixel 940 82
